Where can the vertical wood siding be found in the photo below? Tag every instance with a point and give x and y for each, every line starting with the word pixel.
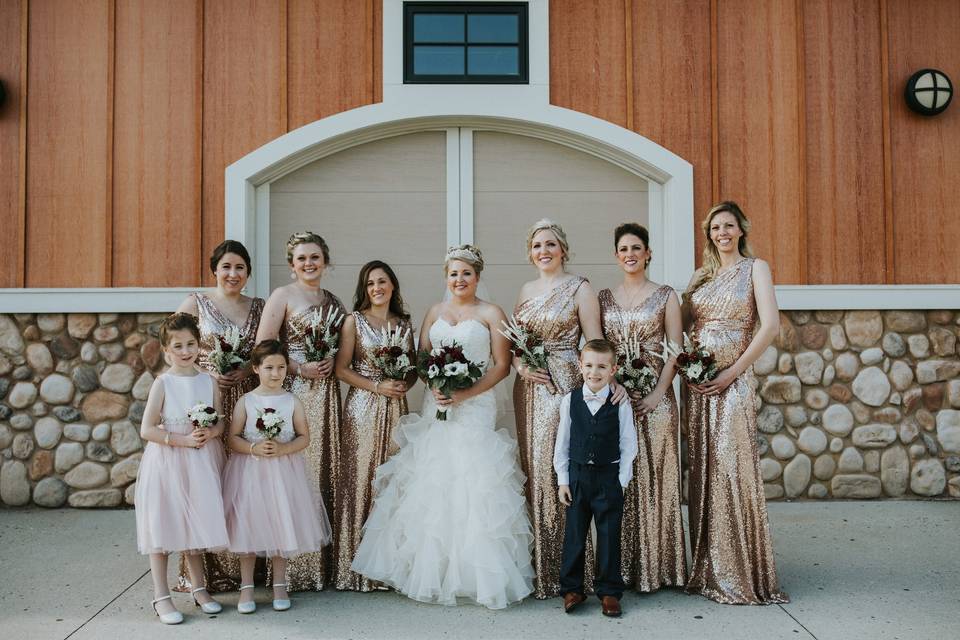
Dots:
pixel 122 116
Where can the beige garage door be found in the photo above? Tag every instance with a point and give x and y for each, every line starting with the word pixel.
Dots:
pixel 405 199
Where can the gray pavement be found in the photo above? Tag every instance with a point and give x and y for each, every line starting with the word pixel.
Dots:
pixel 878 570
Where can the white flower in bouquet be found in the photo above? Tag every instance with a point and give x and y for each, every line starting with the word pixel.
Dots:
pixel 323 335
pixel 269 423
pixel 390 355
pixel 202 415
pixel 455 369
pixel 433 371
pixel 225 356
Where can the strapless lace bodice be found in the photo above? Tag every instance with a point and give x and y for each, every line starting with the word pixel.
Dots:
pixel 474 337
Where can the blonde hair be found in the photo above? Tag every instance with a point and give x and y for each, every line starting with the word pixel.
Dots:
pixel 546 224
pixel 465 253
pixel 307 237
pixel 710 261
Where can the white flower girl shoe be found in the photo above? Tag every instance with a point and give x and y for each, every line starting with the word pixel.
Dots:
pixel 246 607
pixel 278 604
pixel 174 617
pixel 206 607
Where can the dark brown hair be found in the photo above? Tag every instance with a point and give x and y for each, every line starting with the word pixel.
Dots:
pixel 634 229
pixel 229 246
pixel 178 322
pixel 361 301
pixel 598 345
pixel 266 348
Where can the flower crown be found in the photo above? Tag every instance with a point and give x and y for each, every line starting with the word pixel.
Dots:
pixel 466 252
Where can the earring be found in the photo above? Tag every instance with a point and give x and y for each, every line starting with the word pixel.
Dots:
pixel 293 276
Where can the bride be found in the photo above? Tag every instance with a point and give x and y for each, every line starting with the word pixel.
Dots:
pixel 449 519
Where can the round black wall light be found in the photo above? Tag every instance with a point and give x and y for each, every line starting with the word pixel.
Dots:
pixel 928 92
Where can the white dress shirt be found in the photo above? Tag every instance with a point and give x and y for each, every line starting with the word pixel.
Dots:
pixel 628 436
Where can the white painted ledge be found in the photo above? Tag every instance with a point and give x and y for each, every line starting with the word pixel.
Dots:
pixel 100 300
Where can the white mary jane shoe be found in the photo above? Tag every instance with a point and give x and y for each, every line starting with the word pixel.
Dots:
pixel 206 607
pixel 174 617
pixel 246 607
pixel 281 605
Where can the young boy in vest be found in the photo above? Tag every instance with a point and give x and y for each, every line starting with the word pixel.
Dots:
pixel 593 458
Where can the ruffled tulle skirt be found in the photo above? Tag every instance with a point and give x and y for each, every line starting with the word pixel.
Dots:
pixel 270 507
pixel 178 499
pixel 450 519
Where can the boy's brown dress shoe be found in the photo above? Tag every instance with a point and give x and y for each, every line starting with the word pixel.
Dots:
pixel 611 606
pixel 571 600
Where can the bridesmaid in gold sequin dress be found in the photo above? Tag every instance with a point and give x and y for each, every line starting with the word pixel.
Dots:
pixel 559 306
pixel 653 553
pixel 225 308
pixel 287 315
pixel 729 531
pixel 372 409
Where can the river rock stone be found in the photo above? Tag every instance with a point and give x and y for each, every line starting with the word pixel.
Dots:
pixel 796 475
pixel 847 365
pixel 838 420
pixel 871 356
pixel 787 338
pixel 79 325
pixel 769 469
pixel 919 345
pixel 87 475
pixel 21 421
pixel 22 395
pixel 150 353
pixel 100 406
pixel 14 485
pixel 785 363
pixel 41 465
pixel 895 471
pixel 112 352
pixel 927 478
pixel 6 436
pixel 926 420
pixel 67 414
pixel 78 432
pixel 855 486
pixel 781 389
pixel 829 373
pixel 86 378
pixel 901 374
pixel 101 432
pixel 769 419
pixel 39 409
pixel 812 440
pixel 863 328
pixel 48 432
pixel 871 461
pixel 952 463
pixel 930 444
pixel 850 461
pixel 894 345
pixel 117 377
pixel 51 322
pixel 125 471
pixel 933 395
pixel 106 334
pixel 142 387
pixel 839 392
pixel 5 412
pixel 762 445
pixel 96 498
pixel 836 445
pixel 890 415
pixel 130 494
pixel 136 411
pixel 22 446
pixel 67 456
pixel 11 342
pixel 22 373
pixel 909 431
pixel 813 336
pixel 39 358
pixel 783 447
pixel 767 362
pixel 817 399
pixel 838 339
pixel 871 386
pixel 124 438
pixel 953 393
pixel 64 347
pixel 796 416
pixel 134 341
pixel 50 493
pixel 937 370
pixel 809 366
pixel 824 467
pixel 56 389
pixel 874 436
pixel 943 341
pixel 99 451
pixel 905 321
pixel 948 430
pixel 88 353
pixel 817 491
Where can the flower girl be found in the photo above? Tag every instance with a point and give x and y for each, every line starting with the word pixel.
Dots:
pixel 178 497
pixel 271 509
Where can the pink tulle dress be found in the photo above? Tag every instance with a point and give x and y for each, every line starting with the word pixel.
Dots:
pixel 271 506
pixel 178 498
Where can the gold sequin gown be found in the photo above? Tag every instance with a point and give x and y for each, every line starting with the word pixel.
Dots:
pixel 321 401
pixel 729 531
pixel 552 315
pixel 652 546
pixel 365 441
pixel 222 569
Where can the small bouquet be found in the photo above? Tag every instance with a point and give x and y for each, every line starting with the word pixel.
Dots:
pixel 323 335
pixel 224 355
pixel 269 423
pixel 632 373
pixel 446 369
pixel 390 356
pixel 695 364
pixel 526 345
pixel 202 416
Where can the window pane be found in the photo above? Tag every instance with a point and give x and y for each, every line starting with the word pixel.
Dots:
pixel 438 61
pixel 493 61
pixel 492 27
pixel 437 27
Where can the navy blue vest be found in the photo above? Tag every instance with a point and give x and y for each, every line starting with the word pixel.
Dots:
pixel 594 438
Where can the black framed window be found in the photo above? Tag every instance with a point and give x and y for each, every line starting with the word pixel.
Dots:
pixel 454 42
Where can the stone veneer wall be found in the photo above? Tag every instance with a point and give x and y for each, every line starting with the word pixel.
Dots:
pixel 856 404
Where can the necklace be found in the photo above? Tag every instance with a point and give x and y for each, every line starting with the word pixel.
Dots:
pixel 635 296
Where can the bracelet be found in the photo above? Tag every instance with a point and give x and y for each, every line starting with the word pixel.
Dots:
pixel 376 387
pixel 166 439
pixel 252 445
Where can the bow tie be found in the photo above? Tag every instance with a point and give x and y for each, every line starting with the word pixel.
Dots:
pixel 588 397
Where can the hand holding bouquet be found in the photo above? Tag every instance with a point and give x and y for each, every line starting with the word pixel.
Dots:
pixel 390 356
pixel 447 369
pixel 269 423
pixel 323 335
pixel 224 356
pixel 632 373
pixel 527 346
pixel 695 364
pixel 202 416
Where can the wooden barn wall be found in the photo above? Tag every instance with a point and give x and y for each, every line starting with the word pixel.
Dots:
pixel 121 116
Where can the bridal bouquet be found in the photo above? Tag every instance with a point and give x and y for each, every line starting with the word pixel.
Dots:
pixel 632 373
pixel 269 423
pixel 224 355
pixel 202 416
pixel 323 335
pixel 447 369
pixel 695 364
pixel 390 356
pixel 526 345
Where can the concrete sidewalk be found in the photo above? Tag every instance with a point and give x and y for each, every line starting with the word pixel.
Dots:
pixel 873 570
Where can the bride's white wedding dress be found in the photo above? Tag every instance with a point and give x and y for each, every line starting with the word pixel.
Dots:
pixel 450 519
